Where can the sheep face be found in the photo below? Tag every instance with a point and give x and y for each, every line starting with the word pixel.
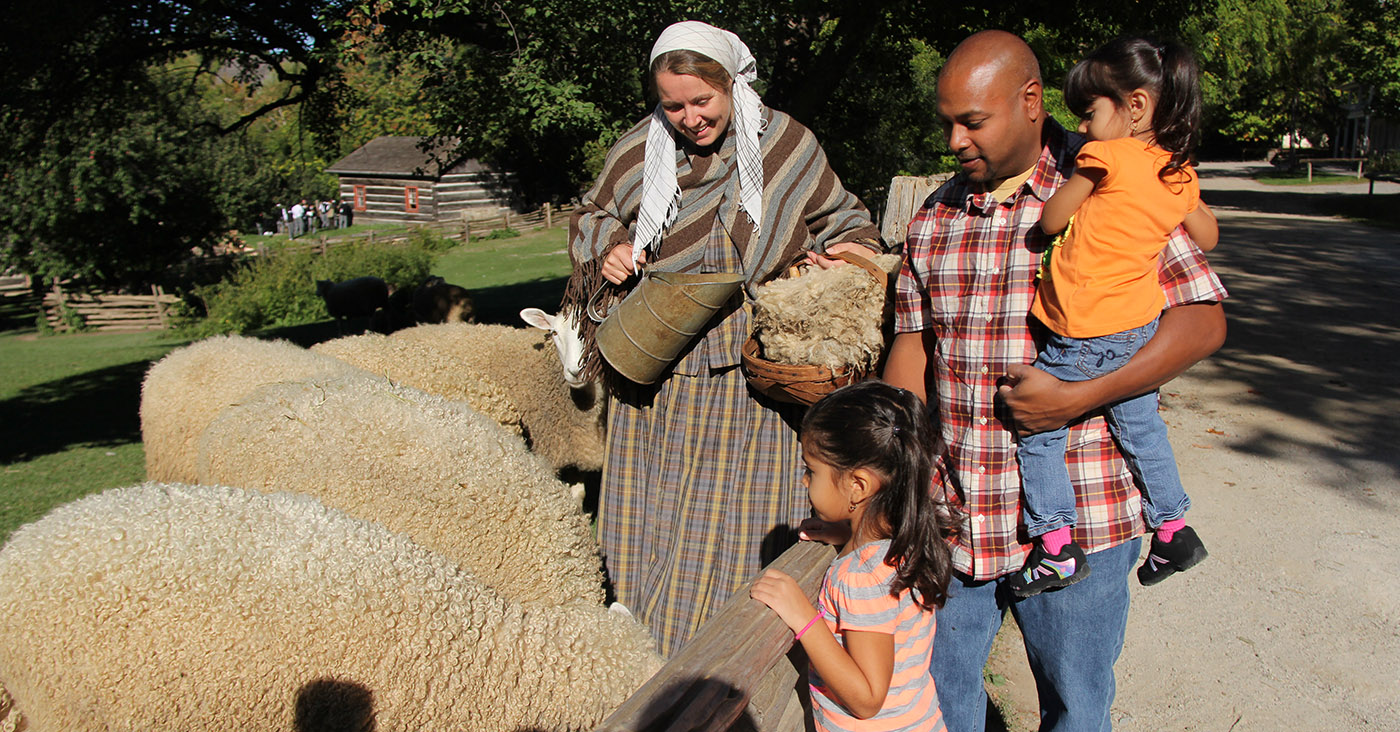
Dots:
pixel 563 331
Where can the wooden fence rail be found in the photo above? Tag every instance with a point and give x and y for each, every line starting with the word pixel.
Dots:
pixel 106 311
pixel 733 673
pixel 463 230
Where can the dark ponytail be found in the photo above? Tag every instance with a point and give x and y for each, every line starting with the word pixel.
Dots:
pixel 1167 70
pixel 887 431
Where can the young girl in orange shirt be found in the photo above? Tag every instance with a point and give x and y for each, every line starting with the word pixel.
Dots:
pixel 1100 296
pixel 868 451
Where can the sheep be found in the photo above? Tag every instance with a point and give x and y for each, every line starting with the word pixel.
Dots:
pixel 436 301
pixel 832 318
pixel 213 608
pixel 354 298
pixel 563 331
pixel 563 424
pixel 421 366
pixel 396 314
pixel 183 391
pixel 434 470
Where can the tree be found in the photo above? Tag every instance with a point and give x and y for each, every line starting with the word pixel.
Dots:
pixel 116 165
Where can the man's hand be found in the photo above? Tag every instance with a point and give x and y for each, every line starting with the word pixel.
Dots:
pixel 1037 401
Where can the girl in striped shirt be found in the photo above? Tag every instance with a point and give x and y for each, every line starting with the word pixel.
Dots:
pixel 868 451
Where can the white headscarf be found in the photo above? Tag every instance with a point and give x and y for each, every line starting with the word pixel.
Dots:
pixel 661 195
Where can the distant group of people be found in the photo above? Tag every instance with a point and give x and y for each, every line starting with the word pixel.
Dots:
pixel 305 217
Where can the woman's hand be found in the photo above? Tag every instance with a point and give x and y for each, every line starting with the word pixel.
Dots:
pixel 617 265
pixel 827 262
pixel 835 533
pixel 781 593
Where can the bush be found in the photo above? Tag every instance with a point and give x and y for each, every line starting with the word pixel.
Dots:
pixel 506 233
pixel 1386 162
pixel 280 290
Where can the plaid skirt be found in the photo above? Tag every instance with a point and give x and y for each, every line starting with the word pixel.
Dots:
pixel 702 487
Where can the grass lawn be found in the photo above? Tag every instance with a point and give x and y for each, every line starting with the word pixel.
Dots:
pixel 505 275
pixel 70 402
pixel 71 425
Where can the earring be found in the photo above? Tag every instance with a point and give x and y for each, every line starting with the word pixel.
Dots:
pixel 852 508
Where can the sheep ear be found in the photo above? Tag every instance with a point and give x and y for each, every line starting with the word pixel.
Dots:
pixel 538 318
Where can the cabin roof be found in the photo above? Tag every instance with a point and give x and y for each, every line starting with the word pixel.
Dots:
pixel 403 157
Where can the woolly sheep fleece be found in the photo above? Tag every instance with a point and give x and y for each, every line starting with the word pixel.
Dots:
pixel 563 425
pixel 450 479
pixel 183 391
pixel 826 317
pixel 419 365
pixel 172 607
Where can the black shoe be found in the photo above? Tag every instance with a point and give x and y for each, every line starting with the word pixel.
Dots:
pixel 1049 571
pixel 1166 558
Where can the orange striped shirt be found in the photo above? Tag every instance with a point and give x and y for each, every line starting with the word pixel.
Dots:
pixel 856 596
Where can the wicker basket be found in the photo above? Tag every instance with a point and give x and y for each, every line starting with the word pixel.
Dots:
pixel 790 383
pixel 804 384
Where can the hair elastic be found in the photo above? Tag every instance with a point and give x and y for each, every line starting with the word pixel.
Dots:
pixel 810 623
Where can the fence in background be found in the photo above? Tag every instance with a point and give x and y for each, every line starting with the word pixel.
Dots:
pixel 462 230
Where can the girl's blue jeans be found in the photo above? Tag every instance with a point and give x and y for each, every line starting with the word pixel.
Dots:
pixel 1047 494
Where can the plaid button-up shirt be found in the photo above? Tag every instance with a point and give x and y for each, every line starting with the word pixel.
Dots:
pixel 970 276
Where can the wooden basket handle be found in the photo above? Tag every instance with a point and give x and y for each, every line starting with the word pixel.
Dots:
pixel 850 257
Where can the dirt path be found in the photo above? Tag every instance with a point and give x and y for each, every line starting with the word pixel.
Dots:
pixel 1287 441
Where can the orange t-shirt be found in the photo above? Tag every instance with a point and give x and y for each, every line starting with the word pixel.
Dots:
pixel 1104 278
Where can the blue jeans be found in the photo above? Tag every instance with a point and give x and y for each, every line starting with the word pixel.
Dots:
pixel 1073 637
pixel 1047 494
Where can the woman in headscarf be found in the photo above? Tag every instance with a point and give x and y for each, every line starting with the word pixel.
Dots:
pixel 702 484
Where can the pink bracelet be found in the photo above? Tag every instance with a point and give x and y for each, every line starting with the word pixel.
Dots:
pixel 809 624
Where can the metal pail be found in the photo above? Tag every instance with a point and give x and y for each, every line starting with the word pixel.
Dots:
pixel 659 318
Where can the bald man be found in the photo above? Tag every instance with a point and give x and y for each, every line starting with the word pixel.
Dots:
pixel 965 339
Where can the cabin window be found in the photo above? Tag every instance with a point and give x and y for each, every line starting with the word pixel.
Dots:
pixel 361 200
pixel 410 199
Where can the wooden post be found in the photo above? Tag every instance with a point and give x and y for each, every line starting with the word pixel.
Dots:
pixel 507 218
pixel 1309 171
pixel 548 218
pixel 157 291
pixel 371 236
pixel 57 320
pixel 323 244
pixel 907 195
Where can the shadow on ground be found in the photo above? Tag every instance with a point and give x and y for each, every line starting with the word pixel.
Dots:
pixel 1379 208
pixel 1314 333
pixel 96 408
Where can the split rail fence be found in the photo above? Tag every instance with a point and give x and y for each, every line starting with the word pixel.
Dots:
pixel 462 230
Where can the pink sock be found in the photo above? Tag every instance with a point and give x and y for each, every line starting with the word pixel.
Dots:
pixel 1054 541
pixel 1168 529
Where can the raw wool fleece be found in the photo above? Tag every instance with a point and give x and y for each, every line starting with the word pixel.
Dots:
pixel 563 425
pixel 173 607
pixel 183 391
pixel 826 317
pixel 413 363
pixel 448 478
